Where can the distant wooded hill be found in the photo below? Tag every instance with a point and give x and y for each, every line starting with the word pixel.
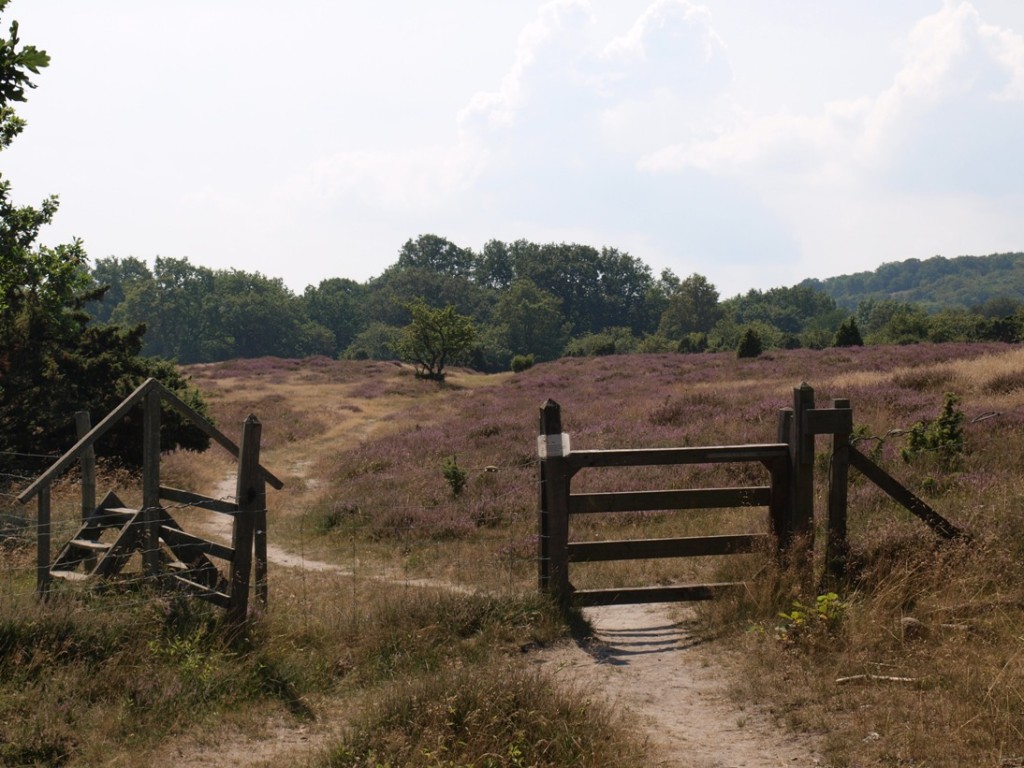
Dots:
pixel 540 301
pixel 964 282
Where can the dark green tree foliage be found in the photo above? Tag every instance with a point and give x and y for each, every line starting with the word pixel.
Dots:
pixel 750 344
pixel 434 269
pixel 610 341
pixel 848 334
pixel 52 361
pixel 691 308
pixel 179 306
pixel 117 276
pixel 377 341
pixel 337 304
pixel 262 317
pixel 530 321
pixel 438 255
pixel 435 339
pixel 597 288
pixel 790 310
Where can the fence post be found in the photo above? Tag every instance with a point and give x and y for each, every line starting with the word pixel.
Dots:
pixel 151 483
pixel 801 449
pixel 250 494
pixel 88 466
pixel 782 487
pixel 553 534
pixel 836 544
pixel 260 551
pixel 43 540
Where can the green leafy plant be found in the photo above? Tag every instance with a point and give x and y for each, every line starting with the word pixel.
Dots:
pixel 195 657
pixel 455 475
pixel 942 436
pixel 811 623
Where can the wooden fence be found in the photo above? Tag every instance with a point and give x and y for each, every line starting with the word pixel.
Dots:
pixel 110 533
pixel 788 497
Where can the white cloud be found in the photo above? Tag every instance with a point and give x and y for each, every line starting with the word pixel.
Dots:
pixel 500 107
pixel 948 55
pixel 662 27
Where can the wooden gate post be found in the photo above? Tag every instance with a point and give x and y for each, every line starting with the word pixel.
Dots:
pixel 801 450
pixel 88 466
pixel 251 497
pixel 43 540
pixel 553 522
pixel 151 483
pixel 838 477
pixel 781 507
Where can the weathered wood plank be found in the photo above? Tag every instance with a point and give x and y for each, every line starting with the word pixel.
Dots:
pixel 151 483
pixel 96 546
pixel 87 465
pixel 250 492
pixel 641 549
pixel 43 539
pixel 901 495
pixel 553 524
pixel 197 500
pixel 187 547
pixel 121 548
pixel 647 501
pixel 220 599
pixel 828 421
pixel 584 598
pixel 660 456
pixel 836 549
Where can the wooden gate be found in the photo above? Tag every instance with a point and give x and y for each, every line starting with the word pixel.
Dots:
pixel 558 504
pixel 789 498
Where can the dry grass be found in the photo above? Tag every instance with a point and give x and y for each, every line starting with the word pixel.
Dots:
pixel 362 447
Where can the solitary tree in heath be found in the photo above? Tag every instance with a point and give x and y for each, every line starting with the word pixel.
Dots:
pixel 435 338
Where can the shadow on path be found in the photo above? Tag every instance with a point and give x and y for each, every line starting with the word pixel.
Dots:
pixel 604 638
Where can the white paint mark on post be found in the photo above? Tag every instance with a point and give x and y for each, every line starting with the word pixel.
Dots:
pixel 553 446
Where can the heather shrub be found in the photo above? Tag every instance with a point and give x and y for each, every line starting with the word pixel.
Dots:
pixel 521 363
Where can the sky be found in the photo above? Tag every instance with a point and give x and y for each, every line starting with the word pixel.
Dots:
pixel 756 142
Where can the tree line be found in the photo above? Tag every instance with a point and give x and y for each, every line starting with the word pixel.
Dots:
pixel 523 299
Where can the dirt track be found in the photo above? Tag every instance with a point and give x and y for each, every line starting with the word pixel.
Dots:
pixel 653 665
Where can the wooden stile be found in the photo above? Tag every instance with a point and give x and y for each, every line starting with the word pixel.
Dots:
pixel 170 555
